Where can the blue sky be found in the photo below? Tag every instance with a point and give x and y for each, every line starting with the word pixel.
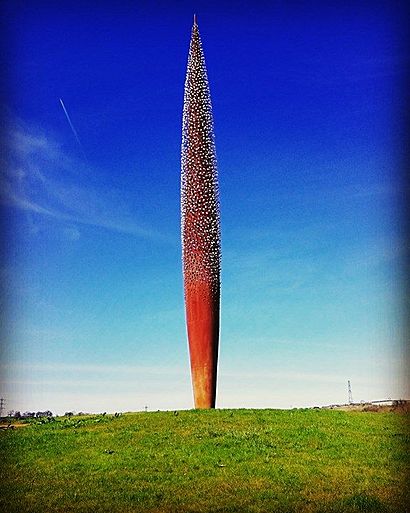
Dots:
pixel 307 103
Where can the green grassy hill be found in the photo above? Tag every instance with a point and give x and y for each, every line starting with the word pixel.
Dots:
pixel 207 461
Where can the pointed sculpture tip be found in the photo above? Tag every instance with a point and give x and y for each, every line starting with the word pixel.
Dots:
pixel 195 23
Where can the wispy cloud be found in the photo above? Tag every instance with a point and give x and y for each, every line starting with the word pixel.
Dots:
pixel 95 368
pixel 41 179
pixel 82 386
pixel 378 251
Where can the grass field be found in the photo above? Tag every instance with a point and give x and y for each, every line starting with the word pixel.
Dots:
pixel 208 461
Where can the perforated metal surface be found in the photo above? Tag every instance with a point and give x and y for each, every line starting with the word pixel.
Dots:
pixel 200 227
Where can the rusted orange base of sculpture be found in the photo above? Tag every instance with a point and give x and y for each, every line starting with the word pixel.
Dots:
pixel 202 312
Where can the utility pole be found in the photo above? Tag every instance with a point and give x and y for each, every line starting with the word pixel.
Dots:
pixel 349 393
pixel 2 401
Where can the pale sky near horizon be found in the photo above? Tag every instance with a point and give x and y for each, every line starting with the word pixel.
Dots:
pixel 308 105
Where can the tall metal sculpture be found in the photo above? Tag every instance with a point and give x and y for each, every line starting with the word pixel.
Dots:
pixel 200 227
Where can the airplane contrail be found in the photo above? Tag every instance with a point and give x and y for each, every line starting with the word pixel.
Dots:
pixel 72 126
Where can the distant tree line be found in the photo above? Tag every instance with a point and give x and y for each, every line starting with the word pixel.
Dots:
pixel 71 413
pixel 29 414
pixel 15 414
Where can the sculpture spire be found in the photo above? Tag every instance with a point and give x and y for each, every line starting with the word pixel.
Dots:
pixel 200 227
